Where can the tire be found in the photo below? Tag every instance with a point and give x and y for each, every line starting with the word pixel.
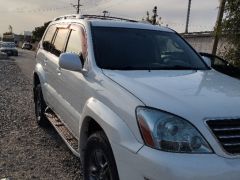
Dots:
pixel 40 107
pixel 99 162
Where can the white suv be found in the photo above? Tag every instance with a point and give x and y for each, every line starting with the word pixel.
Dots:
pixel 135 102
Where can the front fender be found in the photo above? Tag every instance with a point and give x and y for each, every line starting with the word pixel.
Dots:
pixel 114 127
pixel 39 71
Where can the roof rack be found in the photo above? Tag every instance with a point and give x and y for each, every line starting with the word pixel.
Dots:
pixel 78 16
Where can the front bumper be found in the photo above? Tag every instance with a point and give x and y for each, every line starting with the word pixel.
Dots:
pixel 9 52
pixel 150 164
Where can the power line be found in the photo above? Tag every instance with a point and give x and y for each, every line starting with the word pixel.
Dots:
pixel 42 10
pixel 103 6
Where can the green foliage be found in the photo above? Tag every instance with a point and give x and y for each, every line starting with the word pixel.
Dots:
pixel 39 31
pixel 231 29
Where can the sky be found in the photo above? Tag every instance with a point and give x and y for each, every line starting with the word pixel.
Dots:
pixel 25 15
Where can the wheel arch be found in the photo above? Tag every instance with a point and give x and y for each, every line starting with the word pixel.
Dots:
pixel 97 116
pixel 89 126
pixel 38 77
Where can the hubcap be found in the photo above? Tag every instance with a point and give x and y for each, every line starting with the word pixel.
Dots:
pixel 99 167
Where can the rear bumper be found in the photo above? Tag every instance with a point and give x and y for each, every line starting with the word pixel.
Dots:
pixel 150 164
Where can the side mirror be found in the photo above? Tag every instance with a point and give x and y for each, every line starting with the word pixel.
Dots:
pixel 207 61
pixel 70 61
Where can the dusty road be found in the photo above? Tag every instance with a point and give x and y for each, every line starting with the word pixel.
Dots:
pixel 26 62
pixel 27 151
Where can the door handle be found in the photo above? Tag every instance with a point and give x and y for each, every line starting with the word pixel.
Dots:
pixel 59 72
pixel 45 61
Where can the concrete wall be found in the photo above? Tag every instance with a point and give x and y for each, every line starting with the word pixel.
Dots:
pixel 203 42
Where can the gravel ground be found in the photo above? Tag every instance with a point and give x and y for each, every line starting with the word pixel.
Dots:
pixel 26 150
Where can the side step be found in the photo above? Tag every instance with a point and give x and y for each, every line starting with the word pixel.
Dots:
pixel 63 131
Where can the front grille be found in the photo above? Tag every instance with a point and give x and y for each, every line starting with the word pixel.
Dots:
pixel 228 134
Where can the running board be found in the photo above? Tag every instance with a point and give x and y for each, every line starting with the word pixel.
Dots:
pixel 63 131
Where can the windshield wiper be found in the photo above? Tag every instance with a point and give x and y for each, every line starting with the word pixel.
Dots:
pixel 179 67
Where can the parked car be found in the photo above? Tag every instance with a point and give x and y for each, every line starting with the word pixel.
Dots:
pixel 135 102
pixel 27 46
pixel 9 48
pixel 222 65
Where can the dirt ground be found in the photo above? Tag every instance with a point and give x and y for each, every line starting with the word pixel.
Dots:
pixel 26 150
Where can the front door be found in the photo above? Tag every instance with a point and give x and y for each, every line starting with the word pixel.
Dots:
pixel 72 86
pixel 54 74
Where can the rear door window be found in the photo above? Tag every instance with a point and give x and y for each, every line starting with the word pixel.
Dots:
pixel 59 42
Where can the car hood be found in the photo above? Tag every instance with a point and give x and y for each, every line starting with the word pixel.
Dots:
pixel 189 94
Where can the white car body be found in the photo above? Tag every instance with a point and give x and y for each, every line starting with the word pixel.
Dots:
pixel 111 97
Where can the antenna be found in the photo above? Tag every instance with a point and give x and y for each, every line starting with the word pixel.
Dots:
pixel 105 12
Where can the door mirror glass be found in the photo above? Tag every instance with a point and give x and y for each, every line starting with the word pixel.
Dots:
pixel 71 62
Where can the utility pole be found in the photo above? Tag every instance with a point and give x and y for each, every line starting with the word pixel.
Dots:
pixel 188 15
pixel 218 26
pixel 77 6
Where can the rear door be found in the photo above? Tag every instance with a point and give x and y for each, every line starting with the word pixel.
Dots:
pixel 42 57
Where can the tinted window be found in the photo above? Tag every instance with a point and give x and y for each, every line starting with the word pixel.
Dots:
pixel 59 42
pixel 219 62
pixel 74 42
pixel 48 38
pixel 133 49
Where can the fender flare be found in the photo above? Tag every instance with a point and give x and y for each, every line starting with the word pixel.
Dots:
pixel 40 73
pixel 114 127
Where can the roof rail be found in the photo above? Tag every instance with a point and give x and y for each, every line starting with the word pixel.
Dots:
pixel 107 17
pixel 78 16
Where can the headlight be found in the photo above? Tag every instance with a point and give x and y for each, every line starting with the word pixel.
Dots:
pixel 167 132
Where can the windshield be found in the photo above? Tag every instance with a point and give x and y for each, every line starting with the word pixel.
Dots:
pixel 137 49
pixel 8 45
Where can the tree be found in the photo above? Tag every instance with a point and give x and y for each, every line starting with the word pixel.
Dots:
pixel 231 29
pixel 153 19
pixel 39 31
pixel 155 15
